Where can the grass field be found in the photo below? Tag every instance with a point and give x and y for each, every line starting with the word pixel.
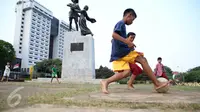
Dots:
pixel 67 95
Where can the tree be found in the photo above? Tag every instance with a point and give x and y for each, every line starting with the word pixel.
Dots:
pixel 7 53
pixel 192 75
pixel 45 66
pixel 168 72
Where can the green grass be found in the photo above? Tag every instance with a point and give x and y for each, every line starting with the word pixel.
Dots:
pixel 186 88
pixel 73 90
pixel 58 99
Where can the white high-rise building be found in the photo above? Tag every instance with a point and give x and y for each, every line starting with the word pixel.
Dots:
pixel 38 35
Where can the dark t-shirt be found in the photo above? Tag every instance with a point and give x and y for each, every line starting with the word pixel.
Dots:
pixel 119 49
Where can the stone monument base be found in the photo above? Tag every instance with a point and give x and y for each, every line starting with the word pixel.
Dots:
pixel 78 61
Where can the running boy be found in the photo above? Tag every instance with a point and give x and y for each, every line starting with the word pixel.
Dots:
pixel 54 73
pixel 160 70
pixel 135 69
pixel 122 54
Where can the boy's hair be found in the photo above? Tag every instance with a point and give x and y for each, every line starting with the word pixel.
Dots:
pixel 130 33
pixel 159 58
pixel 130 10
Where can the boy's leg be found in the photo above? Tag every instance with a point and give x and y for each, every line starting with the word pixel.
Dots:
pixel 115 77
pixel 165 76
pixel 7 78
pixel 142 60
pixel 2 78
pixel 130 82
pixel 52 78
pixel 57 78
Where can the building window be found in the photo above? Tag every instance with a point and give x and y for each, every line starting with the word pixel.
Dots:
pixel 22 22
pixel 23 14
pixel 22 26
pixel 21 34
pixel 20 52
pixel 22 18
pixel 20 47
pixel 30 61
pixel 20 39
pixel 20 43
pixel 21 30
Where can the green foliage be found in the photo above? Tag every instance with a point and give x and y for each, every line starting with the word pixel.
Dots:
pixel 45 66
pixel 7 53
pixel 168 72
pixel 123 81
pixel 103 72
pixel 192 76
pixel 194 69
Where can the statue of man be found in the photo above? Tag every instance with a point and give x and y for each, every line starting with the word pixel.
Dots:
pixel 73 14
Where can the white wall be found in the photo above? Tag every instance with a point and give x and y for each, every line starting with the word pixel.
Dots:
pixel 26 38
pixel 17 29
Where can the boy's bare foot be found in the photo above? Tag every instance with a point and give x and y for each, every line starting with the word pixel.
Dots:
pixel 161 85
pixel 130 85
pixel 104 87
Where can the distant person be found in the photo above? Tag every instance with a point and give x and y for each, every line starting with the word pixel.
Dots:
pixel 54 73
pixel 6 72
pixel 160 69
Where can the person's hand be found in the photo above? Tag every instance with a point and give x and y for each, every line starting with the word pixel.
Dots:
pixel 140 53
pixel 130 44
pixel 93 20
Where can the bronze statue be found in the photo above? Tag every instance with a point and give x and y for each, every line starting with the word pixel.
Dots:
pixel 82 21
pixel 73 14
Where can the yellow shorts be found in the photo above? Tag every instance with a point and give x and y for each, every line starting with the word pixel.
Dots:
pixel 123 63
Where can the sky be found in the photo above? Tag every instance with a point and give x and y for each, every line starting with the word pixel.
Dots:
pixel 164 28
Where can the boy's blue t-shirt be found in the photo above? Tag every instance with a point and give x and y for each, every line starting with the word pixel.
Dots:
pixel 119 49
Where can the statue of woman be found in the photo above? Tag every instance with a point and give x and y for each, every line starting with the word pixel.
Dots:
pixel 82 21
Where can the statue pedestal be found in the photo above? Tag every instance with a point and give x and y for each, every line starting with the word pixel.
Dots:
pixel 78 61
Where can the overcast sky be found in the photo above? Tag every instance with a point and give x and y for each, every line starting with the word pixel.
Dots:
pixel 166 28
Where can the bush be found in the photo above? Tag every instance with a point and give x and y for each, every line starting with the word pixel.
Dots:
pixel 123 81
pixel 103 72
pixel 192 76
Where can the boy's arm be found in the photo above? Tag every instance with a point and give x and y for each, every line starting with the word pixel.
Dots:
pixel 155 70
pixel 164 69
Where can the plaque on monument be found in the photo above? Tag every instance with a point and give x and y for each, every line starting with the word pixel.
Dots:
pixel 76 47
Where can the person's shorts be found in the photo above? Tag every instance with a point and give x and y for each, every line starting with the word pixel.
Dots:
pixel 54 75
pixel 6 74
pixel 135 69
pixel 123 63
